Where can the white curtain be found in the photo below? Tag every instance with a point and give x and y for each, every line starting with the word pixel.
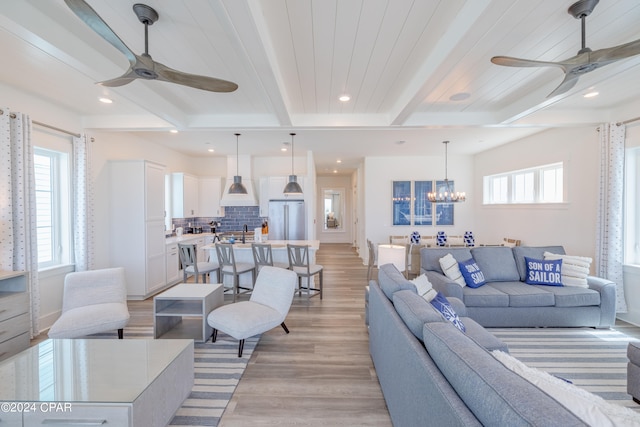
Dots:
pixel 610 232
pixel 18 245
pixel 82 205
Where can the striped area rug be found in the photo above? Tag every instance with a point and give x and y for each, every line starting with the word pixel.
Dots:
pixel 593 359
pixel 217 371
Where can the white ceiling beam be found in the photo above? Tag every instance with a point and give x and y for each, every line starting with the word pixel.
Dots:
pixel 245 25
pixel 417 90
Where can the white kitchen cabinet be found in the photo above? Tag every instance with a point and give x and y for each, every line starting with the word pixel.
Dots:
pixel 173 264
pixel 184 195
pixel 209 195
pixel 271 188
pixel 137 239
pixel 14 313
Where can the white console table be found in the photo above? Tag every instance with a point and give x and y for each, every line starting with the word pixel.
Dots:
pixel 96 382
pixel 14 313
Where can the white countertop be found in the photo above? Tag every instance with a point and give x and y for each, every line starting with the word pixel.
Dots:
pixel 187 237
pixel 275 244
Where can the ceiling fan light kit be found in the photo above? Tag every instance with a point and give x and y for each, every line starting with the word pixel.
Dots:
pixel 143 66
pixel 585 61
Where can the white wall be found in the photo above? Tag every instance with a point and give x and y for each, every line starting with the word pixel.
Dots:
pixel 344 234
pixel 379 172
pixel 571 224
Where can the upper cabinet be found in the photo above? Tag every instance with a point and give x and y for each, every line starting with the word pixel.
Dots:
pixel 271 188
pixel 184 195
pixel 209 195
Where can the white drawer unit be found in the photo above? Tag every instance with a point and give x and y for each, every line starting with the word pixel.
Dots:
pixel 14 313
pixel 173 264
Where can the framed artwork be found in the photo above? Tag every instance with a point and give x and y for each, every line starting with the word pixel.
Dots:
pixel 401 202
pixel 422 207
pixel 444 211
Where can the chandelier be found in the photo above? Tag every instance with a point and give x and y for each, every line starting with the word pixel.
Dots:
pixel 446 196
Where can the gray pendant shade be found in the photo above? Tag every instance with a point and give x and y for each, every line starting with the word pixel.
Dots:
pixel 237 187
pixel 292 186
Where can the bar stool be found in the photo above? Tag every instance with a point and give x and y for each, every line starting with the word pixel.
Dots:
pixel 262 255
pixel 191 266
pixel 229 266
pixel 299 263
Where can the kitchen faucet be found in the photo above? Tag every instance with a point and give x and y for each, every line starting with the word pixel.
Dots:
pixel 245 229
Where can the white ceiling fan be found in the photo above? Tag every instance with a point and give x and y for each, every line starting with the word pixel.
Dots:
pixel 143 66
pixel 585 61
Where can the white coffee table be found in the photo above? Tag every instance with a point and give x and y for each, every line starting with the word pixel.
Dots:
pixel 72 382
pixel 181 312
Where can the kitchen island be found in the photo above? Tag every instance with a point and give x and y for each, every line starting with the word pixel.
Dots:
pixel 243 253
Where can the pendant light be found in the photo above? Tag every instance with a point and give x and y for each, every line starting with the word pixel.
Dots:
pixel 292 186
pixel 237 187
pixel 447 196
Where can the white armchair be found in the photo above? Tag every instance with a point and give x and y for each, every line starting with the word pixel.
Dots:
pixel 93 301
pixel 267 308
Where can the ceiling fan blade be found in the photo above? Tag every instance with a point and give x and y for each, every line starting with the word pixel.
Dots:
pixel 93 20
pixel 192 80
pixel 509 61
pixel 616 53
pixel 120 81
pixel 569 81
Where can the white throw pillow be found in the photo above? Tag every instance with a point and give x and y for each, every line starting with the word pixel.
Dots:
pixel 451 269
pixel 592 409
pixel 575 269
pixel 424 287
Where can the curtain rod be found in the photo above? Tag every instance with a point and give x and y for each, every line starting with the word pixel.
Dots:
pixel 626 122
pixel 77 135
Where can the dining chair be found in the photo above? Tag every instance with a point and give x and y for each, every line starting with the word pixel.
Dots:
pixel 229 266
pixel 263 255
pixel 192 267
pixel 299 263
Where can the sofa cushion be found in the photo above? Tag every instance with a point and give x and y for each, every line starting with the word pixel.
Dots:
pixel 544 272
pixel 494 394
pixel 441 304
pixel 496 262
pixel 415 311
pixel 484 296
pixel 391 281
pixel 473 276
pixel 430 257
pixel 572 296
pixel 451 269
pixel 523 295
pixel 519 252
pixel 483 337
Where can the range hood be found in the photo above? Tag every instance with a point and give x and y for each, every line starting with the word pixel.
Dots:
pixel 243 168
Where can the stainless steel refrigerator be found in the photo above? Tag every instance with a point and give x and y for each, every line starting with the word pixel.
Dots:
pixel 286 220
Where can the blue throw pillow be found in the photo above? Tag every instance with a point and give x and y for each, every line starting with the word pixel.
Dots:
pixel 473 277
pixel 441 304
pixel 543 272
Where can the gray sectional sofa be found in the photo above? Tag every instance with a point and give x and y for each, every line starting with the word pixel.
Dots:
pixel 432 374
pixel 507 301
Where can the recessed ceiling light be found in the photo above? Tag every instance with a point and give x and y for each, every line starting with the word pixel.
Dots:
pixel 591 94
pixel 211 150
pixel 338 161
pixel 344 98
pixel 335 171
pixel 460 96
pixel 105 100
pixel 174 131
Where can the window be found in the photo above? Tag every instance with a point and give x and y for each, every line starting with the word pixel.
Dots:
pixel 52 207
pixel 543 184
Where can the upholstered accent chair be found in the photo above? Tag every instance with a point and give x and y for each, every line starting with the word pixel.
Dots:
pixel 267 307
pixel 93 301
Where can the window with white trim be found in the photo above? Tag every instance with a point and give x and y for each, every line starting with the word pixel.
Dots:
pixel 53 212
pixel 542 184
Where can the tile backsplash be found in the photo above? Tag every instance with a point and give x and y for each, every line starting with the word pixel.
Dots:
pixel 235 217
